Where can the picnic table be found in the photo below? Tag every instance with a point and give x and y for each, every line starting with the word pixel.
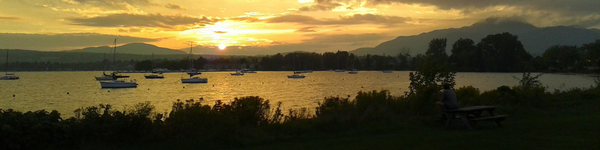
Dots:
pixel 473 114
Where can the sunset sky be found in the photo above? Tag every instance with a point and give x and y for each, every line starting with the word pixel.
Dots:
pixel 309 25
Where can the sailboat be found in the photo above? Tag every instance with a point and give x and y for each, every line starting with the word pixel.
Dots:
pixel 154 75
pixel 296 75
pixel 338 66
pixel 114 83
pixel 192 72
pixel 353 71
pixel 8 76
pixel 237 73
pixel 106 77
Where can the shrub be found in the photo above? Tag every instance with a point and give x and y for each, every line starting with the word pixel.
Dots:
pixel 249 111
pixel 424 89
pixel 468 96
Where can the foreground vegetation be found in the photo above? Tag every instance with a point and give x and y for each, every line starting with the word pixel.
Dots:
pixel 374 119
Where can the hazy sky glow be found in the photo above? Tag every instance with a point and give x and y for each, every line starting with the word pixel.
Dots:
pixel 309 25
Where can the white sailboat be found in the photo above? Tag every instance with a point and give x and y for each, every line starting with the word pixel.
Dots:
pixel 154 75
pixel 107 77
pixel 8 76
pixel 192 72
pixel 114 83
pixel 237 73
pixel 353 72
pixel 297 74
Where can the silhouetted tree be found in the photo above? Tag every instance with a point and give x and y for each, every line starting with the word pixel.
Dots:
pixel 592 52
pixel 503 53
pixel 466 55
pixel 562 57
pixel 437 50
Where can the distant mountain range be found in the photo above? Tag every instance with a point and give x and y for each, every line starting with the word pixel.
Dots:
pixel 535 40
pixel 131 48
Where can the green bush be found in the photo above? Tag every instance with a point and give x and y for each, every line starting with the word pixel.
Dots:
pixel 468 96
pixel 423 101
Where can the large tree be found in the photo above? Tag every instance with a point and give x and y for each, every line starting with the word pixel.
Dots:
pixel 503 53
pixel 466 55
pixel 592 52
pixel 562 56
pixel 437 50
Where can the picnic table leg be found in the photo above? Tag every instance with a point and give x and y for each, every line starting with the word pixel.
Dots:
pixel 466 121
pixel 498 123
pixel 449 118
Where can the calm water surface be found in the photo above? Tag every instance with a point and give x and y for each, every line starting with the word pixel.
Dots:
pixel 67 91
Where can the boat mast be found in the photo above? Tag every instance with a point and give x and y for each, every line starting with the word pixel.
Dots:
pixel 191 60
pixel 105 64
pixel 152 63
pixel 114 55
pixel 6 62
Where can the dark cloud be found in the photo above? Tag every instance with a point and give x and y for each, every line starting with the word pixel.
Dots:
pixel 343 20
pixel 8 18
pixel 116 3
pixel 138 20
pixel 67 41
pixel 307 29
pixel 321 5
pixel 245 19
pixel 563 6
pixel 569 7
pixel 174 6
pixel 130 30
pixel 293 19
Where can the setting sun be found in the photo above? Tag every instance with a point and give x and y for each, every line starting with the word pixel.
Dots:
pixel 222 46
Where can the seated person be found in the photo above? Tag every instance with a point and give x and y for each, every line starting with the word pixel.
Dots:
pixel 448 100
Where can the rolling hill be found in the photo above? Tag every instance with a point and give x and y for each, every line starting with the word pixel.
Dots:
pixel 131 48
pixel 535 40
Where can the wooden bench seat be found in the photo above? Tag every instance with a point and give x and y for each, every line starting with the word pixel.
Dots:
pixel 496 118
pixel 490 118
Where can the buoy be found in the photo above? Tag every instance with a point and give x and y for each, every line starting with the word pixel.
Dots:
pixel 67 93
pixel 109 91
pixel 148 88
pixel 13 95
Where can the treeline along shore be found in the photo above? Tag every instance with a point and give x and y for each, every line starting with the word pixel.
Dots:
pixel 502 52
pixel 538 118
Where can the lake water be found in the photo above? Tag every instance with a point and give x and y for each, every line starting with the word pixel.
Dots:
pixel 67 91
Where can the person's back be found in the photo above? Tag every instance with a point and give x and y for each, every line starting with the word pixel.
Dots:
pixel 449 99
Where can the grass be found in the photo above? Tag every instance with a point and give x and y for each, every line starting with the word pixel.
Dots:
pixel 526 132
pixel 374 120
pixel 569 128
